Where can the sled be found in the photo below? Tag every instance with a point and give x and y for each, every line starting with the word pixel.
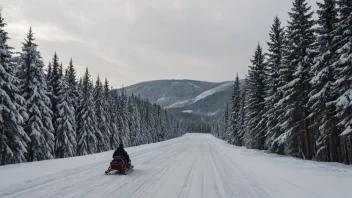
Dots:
pixel 119 164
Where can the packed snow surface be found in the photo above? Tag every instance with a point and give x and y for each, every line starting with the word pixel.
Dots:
pixel 195 165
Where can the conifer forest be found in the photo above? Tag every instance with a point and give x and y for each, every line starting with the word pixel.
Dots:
pixel 297 95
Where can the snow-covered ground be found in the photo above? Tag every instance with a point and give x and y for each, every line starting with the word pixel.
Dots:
pixel 195 165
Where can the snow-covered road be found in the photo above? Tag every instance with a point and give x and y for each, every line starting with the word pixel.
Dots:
pixel 195 165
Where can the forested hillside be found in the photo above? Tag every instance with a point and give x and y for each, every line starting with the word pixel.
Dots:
pixel 298 93
pixel 185 96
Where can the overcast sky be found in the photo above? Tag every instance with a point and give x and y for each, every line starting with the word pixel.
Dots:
pixel 130 41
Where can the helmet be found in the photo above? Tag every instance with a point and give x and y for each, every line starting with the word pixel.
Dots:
pixel 120 145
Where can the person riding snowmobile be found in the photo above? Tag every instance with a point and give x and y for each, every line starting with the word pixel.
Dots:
pixel 121 152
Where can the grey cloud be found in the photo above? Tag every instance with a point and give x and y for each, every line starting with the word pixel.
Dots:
pixel 132 41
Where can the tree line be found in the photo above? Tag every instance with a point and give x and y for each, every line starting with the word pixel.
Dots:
pixel 297 96
pixel 46 115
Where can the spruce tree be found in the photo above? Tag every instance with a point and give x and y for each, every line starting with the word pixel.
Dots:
pixel 103 137
pixel 343 83
pixel 226 129
pixel 49 72
pixel 242 117
pixel 13 139
pixel 133 122
pixel 72 81
pixel 148 122
pixel 274 60
pixel 344 66
pixel 323 121
pixel 87 123
pixel 54 83
pixel 144 122
pixel 65 123
pixel 55 76
pixel 110 109
pixel 235 110
pixel 256 94
pixel 300 54
pixel 71 74
pixel 125 130
pixel 33 88
pixel 61 72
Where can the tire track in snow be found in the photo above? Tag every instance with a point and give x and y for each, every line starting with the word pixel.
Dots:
pixel 175 167
pixel 163 164
pixel 254 185
pixel 216 176
pixel 159 176
pixel 197 162
pixel 111 185
pixel 130 181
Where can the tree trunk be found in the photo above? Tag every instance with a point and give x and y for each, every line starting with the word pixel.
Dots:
pixel 350 147
pixel 2 149
pixel 347 161
pixel 338 146
pixel 30 153
pixel 306 135
pixel 333 140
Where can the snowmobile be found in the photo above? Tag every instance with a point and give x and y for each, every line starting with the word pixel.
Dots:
pixel 119 163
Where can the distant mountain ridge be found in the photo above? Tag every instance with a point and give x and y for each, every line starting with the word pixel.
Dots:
pixel 185 96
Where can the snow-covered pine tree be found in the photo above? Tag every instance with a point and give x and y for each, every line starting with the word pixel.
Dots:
pixel 13 139
pixel 65 123
pixel 55 75
pixel 138 124
pixel 123 107
pixel 72 81
pixel 103 125
pixel 54 83
pixel 159 134
pixel 300 54
pixel 285 143
pixel 33 88
pixel 71 74
pixel 242 118
pixel 133 122
pixel 61 71
pixel 79 105
pixel 343 73
pixel 155 127
pixel 49 87
pixel 110 112
pixel 255 85
pixel 49 71
pixel 119 120
pixel 166 125
pixel 235 110
pixel 153 122
pixel 323 121
pixel 274 61
pixel 87 123
pixel 144 129
pixel 149 122
pixel 225 123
